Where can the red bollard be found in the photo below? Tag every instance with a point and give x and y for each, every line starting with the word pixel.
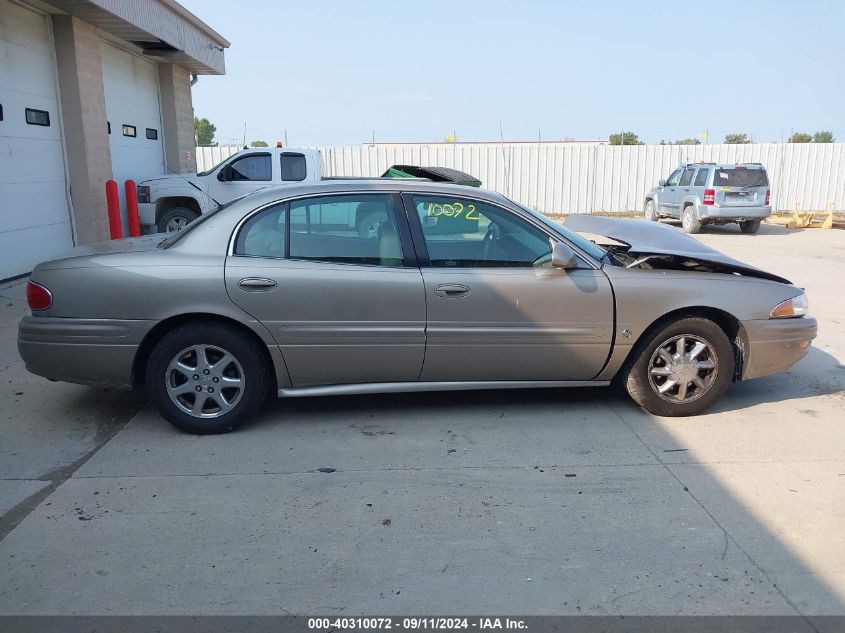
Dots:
pixel 132 208
pixel 113 202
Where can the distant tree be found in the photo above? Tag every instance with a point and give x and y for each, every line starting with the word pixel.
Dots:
pixel 625 138
pixel 687 141
pixel 800 137
pixel 259 144
pixel 204 131
pixel 737 138
pixel 823 137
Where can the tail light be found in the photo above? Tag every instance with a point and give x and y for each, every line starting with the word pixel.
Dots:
pixel 709 197
pixel 768 196
pixel 143 193
pixel 37 296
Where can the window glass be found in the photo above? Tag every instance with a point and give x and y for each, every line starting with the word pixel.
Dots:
pixel 674 178
pixel 293 166
pixel 37 117
pixel 701 177
pixel 254 167
pixel 152 134
pixel 263 235
pixel 129 130
pixel 687 177
pixel 350 229
pixel 740 177
pixel 466 233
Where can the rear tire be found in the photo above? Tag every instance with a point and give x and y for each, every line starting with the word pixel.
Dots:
pixel 749 226
pixel 705 367
pixel 689 220
pixel 368 226
pixel 214 362
pixel 651 211
pixel 176 219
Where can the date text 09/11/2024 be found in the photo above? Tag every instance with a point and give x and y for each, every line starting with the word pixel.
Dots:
pixel 416 623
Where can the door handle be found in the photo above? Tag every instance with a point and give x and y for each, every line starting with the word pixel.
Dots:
pixel 257 284
pixel 451 290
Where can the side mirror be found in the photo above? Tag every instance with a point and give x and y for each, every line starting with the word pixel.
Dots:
pixel 661 182
pixel 225 174
pixel 563 256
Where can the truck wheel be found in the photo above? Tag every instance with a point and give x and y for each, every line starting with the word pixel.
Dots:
pixel 368 225
pixel 749 226
pixel 207 378
pixel 176 219
pixel 689 221
pixel 682 369
pixel 651 211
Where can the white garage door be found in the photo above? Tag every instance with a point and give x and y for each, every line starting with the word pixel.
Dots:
pixel 34 214
pixel 134 115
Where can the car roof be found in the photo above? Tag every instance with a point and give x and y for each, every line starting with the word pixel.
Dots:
pixel 358 185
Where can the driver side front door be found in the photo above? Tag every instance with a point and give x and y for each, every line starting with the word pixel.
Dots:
pixel 497 310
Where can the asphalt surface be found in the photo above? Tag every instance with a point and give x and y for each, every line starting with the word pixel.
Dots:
pixel 513 502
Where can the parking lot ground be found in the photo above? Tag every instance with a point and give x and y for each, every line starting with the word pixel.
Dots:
pixel 514 502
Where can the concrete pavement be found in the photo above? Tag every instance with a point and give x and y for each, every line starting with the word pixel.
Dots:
pixel 521 502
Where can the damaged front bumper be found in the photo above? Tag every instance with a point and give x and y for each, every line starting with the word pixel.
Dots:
pixel 774 345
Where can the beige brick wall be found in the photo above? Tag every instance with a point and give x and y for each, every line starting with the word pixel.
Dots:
pixel 84 121
pixel 177 112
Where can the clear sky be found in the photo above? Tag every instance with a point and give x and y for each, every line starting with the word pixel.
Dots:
pixel 332 72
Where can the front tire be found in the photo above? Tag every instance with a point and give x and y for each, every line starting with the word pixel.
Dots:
pixel 176 219
pixel 682 369
pixel 207 378
pixel 749 226
pixel 651 211
pixel 689 220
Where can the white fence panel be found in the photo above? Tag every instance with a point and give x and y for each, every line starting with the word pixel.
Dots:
pixel 559 178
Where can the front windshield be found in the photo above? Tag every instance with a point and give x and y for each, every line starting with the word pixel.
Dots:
pixel 592 249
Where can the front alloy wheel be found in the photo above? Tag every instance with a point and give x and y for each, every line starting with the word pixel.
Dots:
pixel 682 368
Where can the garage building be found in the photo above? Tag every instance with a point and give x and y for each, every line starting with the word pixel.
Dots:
pixel 90 90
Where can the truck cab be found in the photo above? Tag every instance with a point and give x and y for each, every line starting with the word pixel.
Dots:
pixel 170 202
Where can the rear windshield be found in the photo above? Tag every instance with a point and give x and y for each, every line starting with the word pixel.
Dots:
pixel 740 177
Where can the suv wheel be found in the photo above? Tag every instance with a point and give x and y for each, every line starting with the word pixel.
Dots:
pixel 368 226
pixel 682 369
pixel 689 220
pixel 207 378
pixel 749 226
pixel 651 211
pixel 176 219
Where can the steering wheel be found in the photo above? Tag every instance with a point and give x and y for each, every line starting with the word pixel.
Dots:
pixel 493 233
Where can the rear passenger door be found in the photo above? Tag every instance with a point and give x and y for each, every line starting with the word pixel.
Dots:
pixel 343 307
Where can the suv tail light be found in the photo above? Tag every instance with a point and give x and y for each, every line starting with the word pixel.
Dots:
pixel 768 196
pixel 37 296
pixel 709 197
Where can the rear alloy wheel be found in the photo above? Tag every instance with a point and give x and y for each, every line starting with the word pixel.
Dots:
pixel 749 226
pixel 176 219
pixel 689 220
pixel 651 211
pixel 207 378
pixel 682 369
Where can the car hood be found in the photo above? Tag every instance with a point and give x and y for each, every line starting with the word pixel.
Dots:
pixel 175 179
pixel 652 238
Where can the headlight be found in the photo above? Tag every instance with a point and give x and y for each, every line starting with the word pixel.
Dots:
pixel 795 307
pixel 143 193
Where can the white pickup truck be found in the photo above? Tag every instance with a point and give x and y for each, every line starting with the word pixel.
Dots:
pixel 169 202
